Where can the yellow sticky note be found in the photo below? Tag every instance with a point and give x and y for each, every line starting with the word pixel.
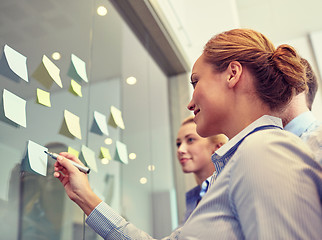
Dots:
pixel 73 151
pixel 73 124
pixel 105 153
pixel 75 88
pixel 116 118
pixel 47 72
pixel 43 97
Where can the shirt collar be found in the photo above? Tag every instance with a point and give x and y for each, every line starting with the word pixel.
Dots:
pixel 221 157
pixel 301 123
pixel 262 121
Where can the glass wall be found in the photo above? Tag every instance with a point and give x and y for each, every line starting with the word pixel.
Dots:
pixel 71 103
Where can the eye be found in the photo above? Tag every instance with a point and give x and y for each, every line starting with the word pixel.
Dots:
pixel 194 83
pixel 178 144
pixel 190 140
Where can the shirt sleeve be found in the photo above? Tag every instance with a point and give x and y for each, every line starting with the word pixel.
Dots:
pixel 110 225
pixel 275 188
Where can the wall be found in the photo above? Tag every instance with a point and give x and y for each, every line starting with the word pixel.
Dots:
pixel 36 207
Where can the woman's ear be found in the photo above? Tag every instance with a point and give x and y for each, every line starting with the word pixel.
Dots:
pixel 234 70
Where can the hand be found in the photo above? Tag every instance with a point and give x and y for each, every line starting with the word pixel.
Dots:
pixel 75 182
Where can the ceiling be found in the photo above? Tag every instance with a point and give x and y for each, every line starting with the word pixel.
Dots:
pixel 194 22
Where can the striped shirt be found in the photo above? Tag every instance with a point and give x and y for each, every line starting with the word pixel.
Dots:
pixel 267 187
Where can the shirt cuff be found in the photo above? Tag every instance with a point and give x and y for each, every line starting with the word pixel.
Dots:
pixel 103 219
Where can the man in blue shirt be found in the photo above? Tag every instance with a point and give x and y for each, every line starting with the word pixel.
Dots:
pixel 298 118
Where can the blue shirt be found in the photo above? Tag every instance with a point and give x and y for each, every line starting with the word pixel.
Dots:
pixel 268 186
pixel 194 195
pixel 309 130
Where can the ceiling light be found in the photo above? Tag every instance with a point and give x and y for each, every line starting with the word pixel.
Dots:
pixel 101 10
pixel 56 56
pixel 131 80
pixel 108 141
pixel 143 180
pixel 132 156
pixel 151 168
pixel 105 161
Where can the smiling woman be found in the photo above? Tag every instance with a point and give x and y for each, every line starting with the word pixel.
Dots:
pixel 194 154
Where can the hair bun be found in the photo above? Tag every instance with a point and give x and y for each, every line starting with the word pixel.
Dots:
pixel 288 62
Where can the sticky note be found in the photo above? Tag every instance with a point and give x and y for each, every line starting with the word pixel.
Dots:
pixel 75 88
pixel 14 62
pixel 73 124
pixel 14 108
pixel 116 119
pixel 105 153
pixel 101 122
pixel 43 97
pixel 121 153
pixel 88 156
pixel 47 73
pixel 73 151
pixel 35 160
pixel 77 69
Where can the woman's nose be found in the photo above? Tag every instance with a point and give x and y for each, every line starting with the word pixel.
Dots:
pixel 182 149
pixel 191 106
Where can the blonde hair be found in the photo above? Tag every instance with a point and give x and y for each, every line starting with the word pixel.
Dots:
pixel 278 72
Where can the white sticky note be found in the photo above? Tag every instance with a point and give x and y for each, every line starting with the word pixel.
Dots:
pixel 73 124
pixel 36 159
pixel 89 157
pixel 121 153
pixel 14 108
pixel 117 117
pixel 101 122
pixel 17 62
pixel 80 67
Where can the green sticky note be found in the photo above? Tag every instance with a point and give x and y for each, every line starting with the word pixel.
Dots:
pixel 16 62
pixel 35 160
pixel 121 153
pixel 88 156
pixel 14 108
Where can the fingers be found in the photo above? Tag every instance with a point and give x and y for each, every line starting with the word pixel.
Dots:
pixel 71 157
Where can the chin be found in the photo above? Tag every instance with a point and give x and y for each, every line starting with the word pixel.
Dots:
pixel 202 132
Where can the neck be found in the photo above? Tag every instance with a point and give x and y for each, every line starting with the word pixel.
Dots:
pixel 296 107
pixel 203 175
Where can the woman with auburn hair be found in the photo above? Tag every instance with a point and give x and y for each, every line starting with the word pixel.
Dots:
pixel 266 184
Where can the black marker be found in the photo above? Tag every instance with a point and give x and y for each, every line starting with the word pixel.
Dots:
pixel 80 167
